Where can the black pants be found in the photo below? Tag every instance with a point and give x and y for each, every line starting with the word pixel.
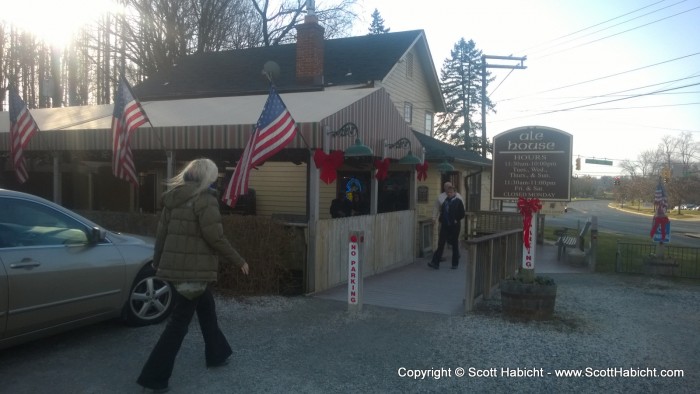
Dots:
pixel 159 367
pixel 449 234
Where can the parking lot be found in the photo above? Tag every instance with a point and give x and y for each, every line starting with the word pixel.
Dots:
pixel 311 345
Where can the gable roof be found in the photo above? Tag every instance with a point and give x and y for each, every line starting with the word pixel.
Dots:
pixel 349 61
pixel 437 150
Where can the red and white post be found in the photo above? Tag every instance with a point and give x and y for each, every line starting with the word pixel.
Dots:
pixel 355 256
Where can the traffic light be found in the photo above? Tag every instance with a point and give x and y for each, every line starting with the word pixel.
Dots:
pixel 578 163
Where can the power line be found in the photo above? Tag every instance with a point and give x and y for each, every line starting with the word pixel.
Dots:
pixel 632 89
pixel 644 106
pixel 605 77
pixel 618 33
pixel 624 98
pixel 595 25
pixel 501 83
pixel 599 103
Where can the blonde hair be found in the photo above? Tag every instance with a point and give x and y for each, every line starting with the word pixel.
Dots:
pixel 202 172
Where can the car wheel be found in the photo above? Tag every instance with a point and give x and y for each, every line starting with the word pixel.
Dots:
pixel 150 300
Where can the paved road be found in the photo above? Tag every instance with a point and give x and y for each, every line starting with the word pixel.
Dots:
pixel 610 220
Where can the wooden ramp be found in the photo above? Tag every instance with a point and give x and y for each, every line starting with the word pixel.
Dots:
pixel 418 287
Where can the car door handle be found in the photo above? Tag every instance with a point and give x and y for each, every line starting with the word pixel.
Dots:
pixel 26 263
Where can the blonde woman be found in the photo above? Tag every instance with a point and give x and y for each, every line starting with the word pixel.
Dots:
pixel 189 241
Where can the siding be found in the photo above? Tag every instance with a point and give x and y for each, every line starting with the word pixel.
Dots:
pixel 414 90
pixel 280 188
pixel 326 196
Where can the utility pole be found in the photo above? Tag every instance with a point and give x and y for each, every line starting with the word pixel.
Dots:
pixel 484 66
pixel 466 94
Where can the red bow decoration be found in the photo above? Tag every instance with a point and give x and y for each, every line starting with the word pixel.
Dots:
pixel 328 163
pixel 382 169
pixel 527 207
pixel 659 221
pixel 422 171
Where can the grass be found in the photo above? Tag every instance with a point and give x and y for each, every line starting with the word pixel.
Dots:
pixel 607 241
pixel 673 214
pixel 607 246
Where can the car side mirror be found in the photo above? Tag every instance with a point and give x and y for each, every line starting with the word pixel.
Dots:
pixel 95 236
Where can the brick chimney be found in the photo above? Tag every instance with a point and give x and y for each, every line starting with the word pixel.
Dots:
pixel 310 47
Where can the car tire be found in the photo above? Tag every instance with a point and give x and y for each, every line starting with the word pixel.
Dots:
pixel 150 299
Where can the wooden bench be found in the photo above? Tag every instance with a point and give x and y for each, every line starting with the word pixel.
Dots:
pixel 571 240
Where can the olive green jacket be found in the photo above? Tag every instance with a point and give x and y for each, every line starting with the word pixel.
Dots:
pixel 190 237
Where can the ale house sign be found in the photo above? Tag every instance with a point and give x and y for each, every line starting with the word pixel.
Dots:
pixel 532 162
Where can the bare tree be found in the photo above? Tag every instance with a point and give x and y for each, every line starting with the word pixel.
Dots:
pixel 648 163
pixel 150 36
pixel 687 150
pixel 278 22
pixel 668 148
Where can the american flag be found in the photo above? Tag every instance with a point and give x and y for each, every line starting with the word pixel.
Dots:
pixel 127 117
pixel 22 128
pixel 275 129
pixel 660 199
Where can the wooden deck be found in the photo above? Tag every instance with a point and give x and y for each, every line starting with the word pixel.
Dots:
pixel 420 288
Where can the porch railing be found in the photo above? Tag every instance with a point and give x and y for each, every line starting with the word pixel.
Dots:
pixel 389 242
pixel 491 258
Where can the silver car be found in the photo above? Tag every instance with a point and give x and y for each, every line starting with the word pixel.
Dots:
pixel 59 270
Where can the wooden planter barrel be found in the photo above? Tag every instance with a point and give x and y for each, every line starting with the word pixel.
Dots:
pixel 528 300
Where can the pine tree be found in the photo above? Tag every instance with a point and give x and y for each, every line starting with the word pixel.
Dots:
pixel 461 82
pixel 377 25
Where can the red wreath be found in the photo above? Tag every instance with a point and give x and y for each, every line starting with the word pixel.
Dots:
pixel 527 207
pixel 422 171
pixel 382 169
pixel 328 163
pixel 659 221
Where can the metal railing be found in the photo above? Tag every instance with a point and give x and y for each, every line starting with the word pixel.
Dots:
pixel 491 258
pixel 678 261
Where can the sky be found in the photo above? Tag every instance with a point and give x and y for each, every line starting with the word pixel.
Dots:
pixel 618 75
pixel 586 59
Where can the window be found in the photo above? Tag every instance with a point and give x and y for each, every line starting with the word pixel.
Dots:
pixel 429 123
pixel 407 112
pixel 422 197
pixel 393 192
pixel 25 223
pixel 356 187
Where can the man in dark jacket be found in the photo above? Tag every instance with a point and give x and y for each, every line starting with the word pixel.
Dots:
pixel 451 215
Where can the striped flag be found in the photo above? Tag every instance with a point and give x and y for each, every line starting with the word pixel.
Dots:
pixel 275 129
pixel 22 128
pixel 127 117
pixel 660 199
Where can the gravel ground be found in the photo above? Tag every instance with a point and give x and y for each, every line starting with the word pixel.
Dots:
pixel 606 323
